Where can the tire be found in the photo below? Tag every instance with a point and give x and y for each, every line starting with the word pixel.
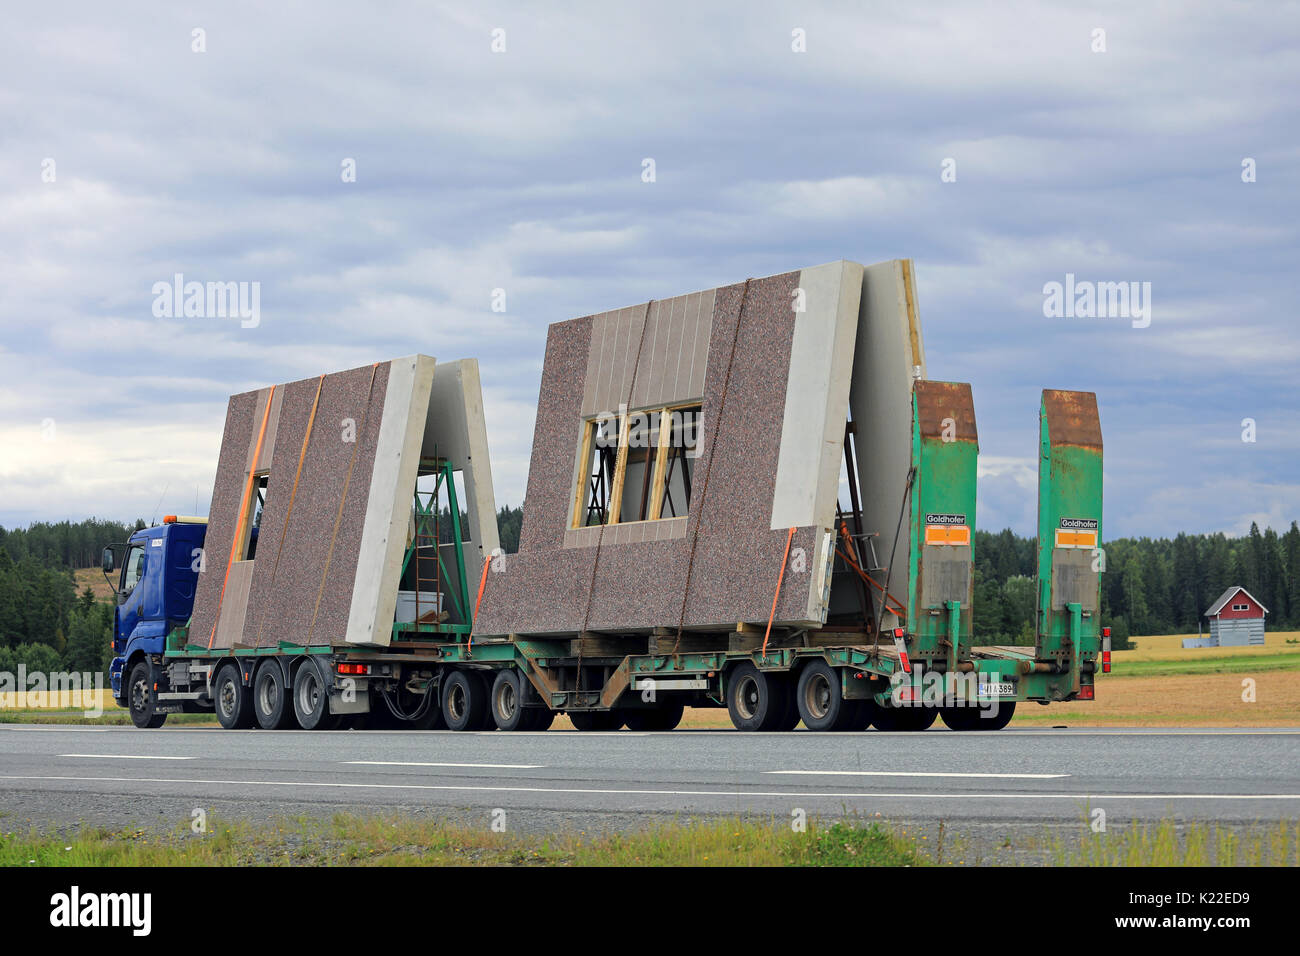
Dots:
pixel 1006 710
pixel 960 718
pixel 821 701
pixel 660 717
pixel 272 701
pixel 921 718
pixel 790 717
pixel 539 718
pixel 593 720
pixel 140 697
pixel 904 718
pixel 507 702
pixel 860 718
pixel 232 701
pixel 757 701
pixel 465 701
pixel 311 698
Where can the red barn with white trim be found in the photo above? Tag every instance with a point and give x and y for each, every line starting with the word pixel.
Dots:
pixel 1236 619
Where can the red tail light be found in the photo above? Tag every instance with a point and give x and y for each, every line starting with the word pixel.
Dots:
pixel 1087 692
pixel 1105 650
pixel 361 669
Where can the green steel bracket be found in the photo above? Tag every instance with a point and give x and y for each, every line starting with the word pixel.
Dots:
pixel 1076 639
pixel 954 633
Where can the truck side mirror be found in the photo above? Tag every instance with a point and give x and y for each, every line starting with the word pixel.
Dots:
pixel 108 560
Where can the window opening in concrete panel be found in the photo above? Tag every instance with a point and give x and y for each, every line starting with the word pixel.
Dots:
pixel 253 520
pixel 637 466
pixel 679 454
pixel 596 477
pixel 642 457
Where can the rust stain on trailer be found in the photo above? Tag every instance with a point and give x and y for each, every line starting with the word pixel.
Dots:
pixel 1072 418
pixel 938 403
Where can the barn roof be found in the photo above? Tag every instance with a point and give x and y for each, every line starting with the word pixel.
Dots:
pixel 1227 595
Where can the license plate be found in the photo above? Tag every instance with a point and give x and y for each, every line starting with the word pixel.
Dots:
pixel 1001 689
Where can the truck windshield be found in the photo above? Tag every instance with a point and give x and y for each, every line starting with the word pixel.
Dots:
pixel 132 568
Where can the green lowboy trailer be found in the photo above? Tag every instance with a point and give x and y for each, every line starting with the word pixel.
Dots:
pixel 897 652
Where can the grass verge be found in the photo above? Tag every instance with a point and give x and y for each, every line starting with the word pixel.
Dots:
pixel 350 840
pixel 114 718
pixel 356 840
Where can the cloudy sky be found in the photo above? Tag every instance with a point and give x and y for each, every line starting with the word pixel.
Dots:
pixel 127 156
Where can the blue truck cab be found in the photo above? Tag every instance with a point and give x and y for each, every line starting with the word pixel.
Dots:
pixel 155 592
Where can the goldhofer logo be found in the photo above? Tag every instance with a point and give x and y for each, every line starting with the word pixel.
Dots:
pixel 945 519
pixel 1079 524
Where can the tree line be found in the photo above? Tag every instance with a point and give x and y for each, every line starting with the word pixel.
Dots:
pixel 1149 585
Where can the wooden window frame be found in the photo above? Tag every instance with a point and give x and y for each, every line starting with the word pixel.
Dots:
pixel 662 448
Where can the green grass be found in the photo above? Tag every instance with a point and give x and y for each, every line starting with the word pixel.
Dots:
pixel 1165 844
pixel 395 841
pixel 1240 664
pixel 110 718
pixel 357 840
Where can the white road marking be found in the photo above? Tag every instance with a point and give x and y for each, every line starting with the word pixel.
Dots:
pixel 123 757
pixel 861 794
pixel 58 728
pixel 419 763
pixel 908 773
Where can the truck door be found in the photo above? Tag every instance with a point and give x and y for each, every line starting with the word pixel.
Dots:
pixel 129 595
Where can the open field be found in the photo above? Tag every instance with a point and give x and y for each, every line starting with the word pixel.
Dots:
pixel 355 840
pixel 94 579
pixel 1169 650
pixel 1178 701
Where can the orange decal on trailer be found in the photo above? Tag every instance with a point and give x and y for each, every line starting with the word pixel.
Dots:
pixel 947 534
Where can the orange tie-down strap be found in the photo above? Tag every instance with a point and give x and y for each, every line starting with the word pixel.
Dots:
pixel 243 513
pixel 482 583
pixel 779 578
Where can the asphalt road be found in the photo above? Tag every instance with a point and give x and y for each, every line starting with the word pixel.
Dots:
pixel 117 777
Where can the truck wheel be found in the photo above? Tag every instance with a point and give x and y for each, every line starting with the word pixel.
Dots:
pixel 904 718
pixel 465 701
pixel 919 718
pixel 272 705
pixel 661 717
pixel 539 718
pixel 757 700
pixel 140 696
pixel 589 720
pixel 860 719
pixel 508 710
pixel 1006 710
pixel 822 704
pixel 311 698
pixel 960 718
pixel 232 700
